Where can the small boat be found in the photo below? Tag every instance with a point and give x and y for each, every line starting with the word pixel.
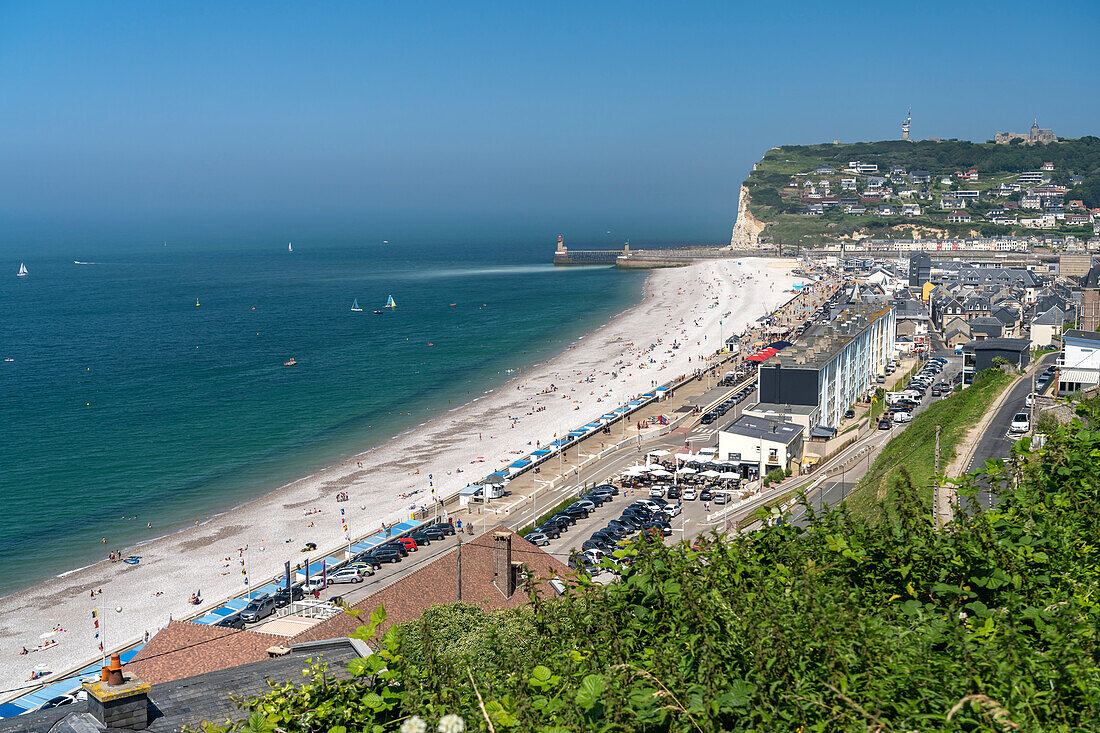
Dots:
pixel 290 246
pixel 391 303
pixel 377 313
pixel 355 306
pixel 23 272
pixel 9 359
pixel 292 362
pixel 196 302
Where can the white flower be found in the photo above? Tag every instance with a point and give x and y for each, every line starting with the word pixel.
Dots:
pixel 414 725
pixel 451 724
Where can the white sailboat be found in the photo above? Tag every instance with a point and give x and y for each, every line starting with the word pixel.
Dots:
pixel 390 303
pixel 290 246
pixel 22 270
pixel 355 306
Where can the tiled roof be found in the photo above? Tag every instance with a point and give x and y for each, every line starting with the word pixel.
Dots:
pixel 436 584
pixel 184 649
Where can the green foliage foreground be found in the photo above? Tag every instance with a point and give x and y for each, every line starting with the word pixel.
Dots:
pixel 848 625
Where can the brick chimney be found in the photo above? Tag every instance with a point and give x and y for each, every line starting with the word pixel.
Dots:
pixel 120 701
pixel 503 577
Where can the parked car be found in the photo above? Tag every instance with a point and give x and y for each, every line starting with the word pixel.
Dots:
pixel 558 523
pixel 231 622
pixel 420 538
pixel 884 424
pixel 313 584
pixel 386 554
pixel 537 538
pixel 587 504
pixel 597 499
pixel 657 491
pixel 1029 399
pixel 690 495
pixel 346 575
pixel 903 416
pixel 610 488
pixel 283 598
pixel 364 568
pixel 409 543
pixel 672 510
pixel 673 492
pixel 1021 423
pixel 396 546
pixel 569 518
pixel 661 527
pixel 434 532
pixel 551 529
pixel 706 495
pixel 577 511
pixel 258 609
pixel 445 527
pixel 849 414
pixel 368 558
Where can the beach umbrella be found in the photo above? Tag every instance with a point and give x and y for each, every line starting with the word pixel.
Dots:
pixel 729 474
pixel 687 471
pixel 661 472
pixel 684 456
pixel 710 474
pixel 659 453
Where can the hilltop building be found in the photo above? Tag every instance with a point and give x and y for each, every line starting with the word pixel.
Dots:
pixel 905 125
pixel 1033 137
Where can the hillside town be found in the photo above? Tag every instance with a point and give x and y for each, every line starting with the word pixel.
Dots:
pixel 1029 199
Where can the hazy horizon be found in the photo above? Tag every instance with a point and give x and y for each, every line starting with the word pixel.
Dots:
pixel 480 123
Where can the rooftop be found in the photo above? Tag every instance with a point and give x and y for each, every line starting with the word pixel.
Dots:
pixel 1076 333
pixel 759 428
pixel 819 344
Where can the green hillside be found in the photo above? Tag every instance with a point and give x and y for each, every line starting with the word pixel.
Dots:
pixel 777 185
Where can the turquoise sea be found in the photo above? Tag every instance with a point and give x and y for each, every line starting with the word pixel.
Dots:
pixel 126 403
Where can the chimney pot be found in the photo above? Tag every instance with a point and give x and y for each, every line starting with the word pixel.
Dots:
pixel 114 677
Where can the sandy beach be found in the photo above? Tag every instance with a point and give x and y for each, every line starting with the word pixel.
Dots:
pixel 624 358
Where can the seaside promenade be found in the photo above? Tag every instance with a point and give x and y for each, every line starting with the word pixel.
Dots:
pixel 676 331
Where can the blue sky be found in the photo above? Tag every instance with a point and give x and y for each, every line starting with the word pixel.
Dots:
pixel 431 120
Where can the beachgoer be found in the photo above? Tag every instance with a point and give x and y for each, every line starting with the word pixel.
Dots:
pixel 24 651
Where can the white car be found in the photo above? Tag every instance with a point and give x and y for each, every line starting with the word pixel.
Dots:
pixel 672 510
pixel 346 575
pixel 903 416
pixel 657 491
pixel 1021 423
pixel 689 495
pixel 314 583
pixel 1028 399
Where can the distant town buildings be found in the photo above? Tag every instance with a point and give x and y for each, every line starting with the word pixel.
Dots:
pixel 1034 137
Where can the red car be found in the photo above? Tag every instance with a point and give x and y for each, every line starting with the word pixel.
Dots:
pixel 409 543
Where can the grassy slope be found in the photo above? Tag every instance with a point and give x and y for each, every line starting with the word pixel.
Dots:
pixel 914 448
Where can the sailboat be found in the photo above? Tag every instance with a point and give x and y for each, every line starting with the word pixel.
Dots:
pixel 355 306
pixel 390 303
pixel 23 272
pixel 290 246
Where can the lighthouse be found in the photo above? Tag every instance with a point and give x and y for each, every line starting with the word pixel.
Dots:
pixel 561 244
pixel 905 125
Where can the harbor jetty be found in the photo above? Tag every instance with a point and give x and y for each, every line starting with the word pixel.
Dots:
pixel 628 258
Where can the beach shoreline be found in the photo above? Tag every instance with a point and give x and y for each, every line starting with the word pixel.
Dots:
pixel 599 371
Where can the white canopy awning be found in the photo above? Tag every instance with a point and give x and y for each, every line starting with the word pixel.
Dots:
pixel 710 474
pixel 729 474
pixel 658 453
pixel 686 471
pixel 685 457
pixel 660 472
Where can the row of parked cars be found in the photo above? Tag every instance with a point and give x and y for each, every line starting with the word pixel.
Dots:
pixel 726 406
pixel 555 526
pixel 355 570
pixel 647 517
pixel 901 408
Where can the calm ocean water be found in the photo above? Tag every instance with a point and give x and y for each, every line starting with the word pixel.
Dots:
pixel 124 399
